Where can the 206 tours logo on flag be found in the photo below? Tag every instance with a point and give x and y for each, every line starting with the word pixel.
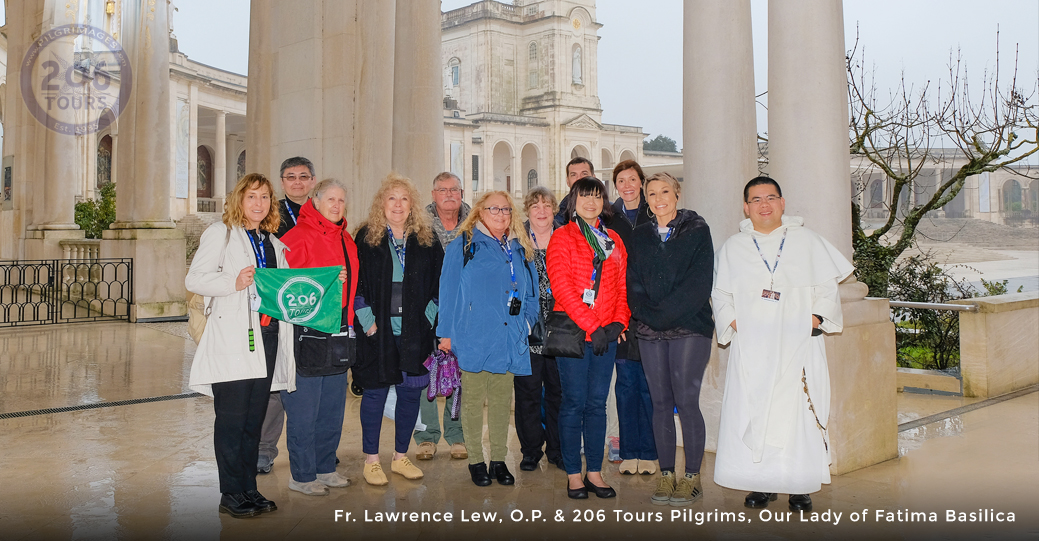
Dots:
pixel 308 297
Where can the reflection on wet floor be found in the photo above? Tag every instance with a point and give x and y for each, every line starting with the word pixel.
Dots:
pixel 147 470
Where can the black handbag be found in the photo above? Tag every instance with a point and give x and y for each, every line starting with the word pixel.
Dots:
pixel 322 354
pixel 563 337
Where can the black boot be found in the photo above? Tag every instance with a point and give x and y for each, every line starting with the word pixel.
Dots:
pixel 238 505
pixel 501 472
pixel 800 502
pixel 479 474
pixel 758 500
pixel 265 505
pixel 530 462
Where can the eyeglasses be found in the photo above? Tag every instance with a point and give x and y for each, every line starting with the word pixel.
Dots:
pixel 294 178
pixel 452 191
pixel 769 199
pixel 498 210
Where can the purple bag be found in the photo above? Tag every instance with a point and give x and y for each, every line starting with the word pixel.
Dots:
pixel 445 379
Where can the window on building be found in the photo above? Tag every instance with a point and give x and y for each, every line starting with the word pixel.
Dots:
pixel 456 68
pixel 532 10
pixel 532 179
pixel 476 173
pixel 532 53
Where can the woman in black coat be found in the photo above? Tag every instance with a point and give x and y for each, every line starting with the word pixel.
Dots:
pixel 400 259
pixel 634 407
pixel 670 273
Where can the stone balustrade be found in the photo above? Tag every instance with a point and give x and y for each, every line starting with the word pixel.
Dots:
pixel 999 344
pixel 80 249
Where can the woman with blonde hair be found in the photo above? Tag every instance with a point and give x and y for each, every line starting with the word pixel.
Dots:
pixel 489 301
pixel 396 306
pixel 229 365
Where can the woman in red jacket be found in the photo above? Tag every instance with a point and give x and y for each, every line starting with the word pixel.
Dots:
pixel 577 254
pixel 315 410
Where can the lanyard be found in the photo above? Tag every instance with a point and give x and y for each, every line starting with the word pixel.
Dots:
pixel 260 253
pixel 291 214
pixel 772 269
pixel 671 230
pixel 401 250
pixel 503 243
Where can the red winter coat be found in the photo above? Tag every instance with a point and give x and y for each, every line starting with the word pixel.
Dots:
pixel 569 262
pixel 315 242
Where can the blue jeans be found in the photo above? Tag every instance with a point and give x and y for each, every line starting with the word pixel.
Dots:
pixel 585 383
pixel 634 412
pixel 373 401
pixel 314 413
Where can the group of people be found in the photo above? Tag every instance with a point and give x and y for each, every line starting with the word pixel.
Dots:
pixel 640 278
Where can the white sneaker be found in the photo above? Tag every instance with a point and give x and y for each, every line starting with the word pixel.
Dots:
pixel 312 488
pixel 333 480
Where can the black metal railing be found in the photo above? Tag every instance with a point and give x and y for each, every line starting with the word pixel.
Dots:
pixel 48 291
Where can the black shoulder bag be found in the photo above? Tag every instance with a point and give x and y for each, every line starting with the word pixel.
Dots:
pixel 563 337
pixel 322 354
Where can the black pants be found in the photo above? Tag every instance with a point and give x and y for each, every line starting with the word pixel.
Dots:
pixel 674 372
pixel 241 406
pixel 529 428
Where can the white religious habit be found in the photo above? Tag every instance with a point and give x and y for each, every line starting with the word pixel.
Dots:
pixel 770 439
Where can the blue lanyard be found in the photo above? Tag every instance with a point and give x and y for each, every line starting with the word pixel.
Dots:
pixel 401 250
pixel 672 230
pixel 772 269
pixel 508 253
pixel 260 253
pixel 291 214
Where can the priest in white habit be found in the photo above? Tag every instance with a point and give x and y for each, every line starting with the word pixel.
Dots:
pixel 775 294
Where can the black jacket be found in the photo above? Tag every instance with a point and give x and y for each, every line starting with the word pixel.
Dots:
pixel 624 228
pixel 379 363
pixel 669 283
pixel 287 221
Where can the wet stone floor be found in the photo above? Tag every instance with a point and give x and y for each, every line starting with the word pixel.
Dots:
pixel 146 470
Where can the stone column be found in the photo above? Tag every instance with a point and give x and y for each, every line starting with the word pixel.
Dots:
pixel 808 115
pixel 719 128
pixel 809 157
pixel 192 148
pixel 220 161
pixel 418 94
pixel 231 160
pixel 60 161
pixel 720 135
pixel 373 131
pixel 144 230
pixel 261 90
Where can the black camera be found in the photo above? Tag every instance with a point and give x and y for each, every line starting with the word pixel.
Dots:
pixel 514 306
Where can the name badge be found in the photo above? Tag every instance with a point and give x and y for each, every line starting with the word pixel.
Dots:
pixel 769 295
pixel 588 297
pixel 254 302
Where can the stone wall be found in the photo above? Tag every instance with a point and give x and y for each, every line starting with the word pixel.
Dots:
pixel 999 344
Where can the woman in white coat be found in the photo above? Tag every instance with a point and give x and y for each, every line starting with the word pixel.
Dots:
pixel 239 360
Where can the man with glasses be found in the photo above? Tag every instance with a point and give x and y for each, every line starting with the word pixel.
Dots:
pixel 448 212
pixel 775 294
pixel 297 179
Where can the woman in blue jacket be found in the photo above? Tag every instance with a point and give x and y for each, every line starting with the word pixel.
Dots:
pixel 488 303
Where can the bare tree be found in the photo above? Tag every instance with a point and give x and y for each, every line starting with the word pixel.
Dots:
pixel 897 136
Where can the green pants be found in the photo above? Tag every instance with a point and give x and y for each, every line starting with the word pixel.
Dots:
pixel 496 390
pixel 431 418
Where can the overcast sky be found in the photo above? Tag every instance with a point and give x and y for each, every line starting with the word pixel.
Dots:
pixel 640 51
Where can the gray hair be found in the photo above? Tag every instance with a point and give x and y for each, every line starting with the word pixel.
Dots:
pixel 540 193
pixel 325 184
pixel 296 162
pixel 444 176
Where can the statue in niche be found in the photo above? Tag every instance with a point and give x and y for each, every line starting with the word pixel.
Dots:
pixel 577 66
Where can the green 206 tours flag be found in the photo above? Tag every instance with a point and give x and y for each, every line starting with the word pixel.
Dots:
pixel 307 297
